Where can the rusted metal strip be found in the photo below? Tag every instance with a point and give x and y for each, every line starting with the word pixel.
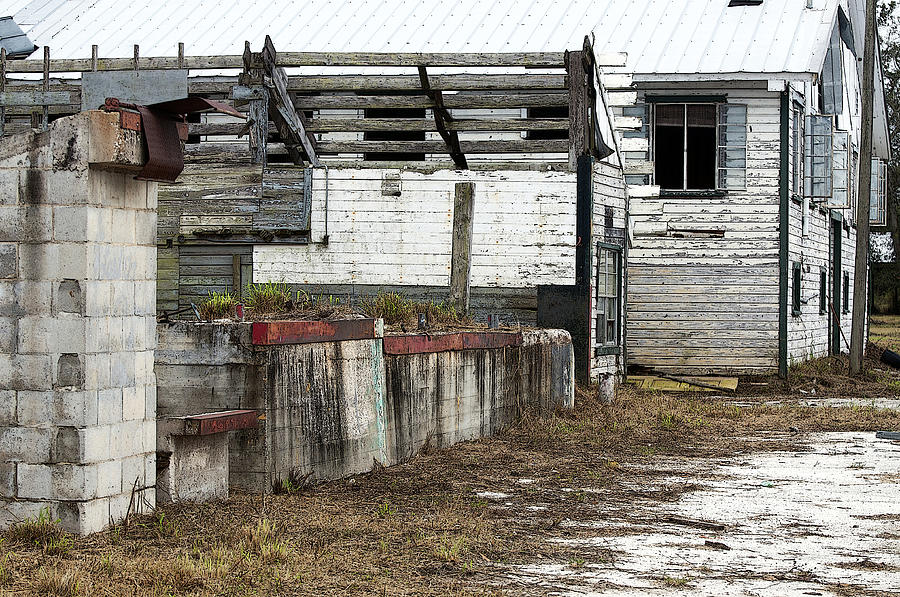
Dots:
pixel 165 159
pixel 421 343
pixel 267 333
pixel 220 422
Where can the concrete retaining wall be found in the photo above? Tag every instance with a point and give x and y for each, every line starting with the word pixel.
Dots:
pixel 335 408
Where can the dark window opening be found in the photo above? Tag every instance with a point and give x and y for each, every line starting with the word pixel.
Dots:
pixel 846 293
pixel 685 146
pixel 394 135
pixel 795 302
pixel 608 285
pixel 548 112
pixel 823 292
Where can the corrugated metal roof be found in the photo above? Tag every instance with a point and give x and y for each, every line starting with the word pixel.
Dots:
pixel 13 40
pixel 661 37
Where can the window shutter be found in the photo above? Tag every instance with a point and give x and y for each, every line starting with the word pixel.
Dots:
pixel 840 193
pixel 732 141
pixel 832 76
pixel 878 201
pixel 817 157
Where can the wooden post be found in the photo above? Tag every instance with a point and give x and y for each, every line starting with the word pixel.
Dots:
pixel 259 130
pixel 860 275
pixel 578 107
pixel 461 259
pixel 181 54
pixel 236 275
pixel 94 57
pixel 137 55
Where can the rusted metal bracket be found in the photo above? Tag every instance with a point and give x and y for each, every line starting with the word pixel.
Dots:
pixel 164 126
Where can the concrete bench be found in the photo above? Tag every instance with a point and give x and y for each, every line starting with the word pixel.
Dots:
pixel 192 454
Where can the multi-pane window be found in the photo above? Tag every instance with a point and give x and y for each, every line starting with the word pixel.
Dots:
pixel 841 171
pixel 817 157
pixel 609 268
pixel 795 290
pixel 797 155
pixel 700 146
pixel 878 200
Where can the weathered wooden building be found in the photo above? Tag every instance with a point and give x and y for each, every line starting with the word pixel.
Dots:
pixel 743 190
pixel 376 170
pixel 733 128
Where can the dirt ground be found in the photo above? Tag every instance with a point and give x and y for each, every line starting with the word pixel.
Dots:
pixel 781 489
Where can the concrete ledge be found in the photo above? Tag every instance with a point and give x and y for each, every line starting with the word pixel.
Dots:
pixel 268 333
pixel 209 423
pixel 421 343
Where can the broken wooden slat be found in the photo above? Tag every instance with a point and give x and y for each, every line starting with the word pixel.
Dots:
pixel 437 82
pixel 441 117
pixel 290 123
pixel 511 146
pixel 341 125
pixel 524 100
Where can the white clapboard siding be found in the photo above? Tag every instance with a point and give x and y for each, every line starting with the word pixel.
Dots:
pixel 707 304
pixel 523 232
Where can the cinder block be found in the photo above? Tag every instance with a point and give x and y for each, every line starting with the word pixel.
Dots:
pixel 150 402
pixel 35 409
pixel 9 186
pixel 114 331
pixel 133 406
pixel 15 511
pixel 8 297
pixel 96 334
pixel 77 409
pixel 109 478
pixel 75 481
pixel 96 369
pixel 83 517
pixel 122 297
pixel 11 225
pixel 31 372
pixel 96 298
pixel 8 335
pixel 122 369
pixel 123 226
pixel 145 228
pixel 39 262
pixel 8 407
pixel 9 260
pixel 152 195
pixel 144 299
pixel 7 480
pixel 133 469
pixel 34 481
pixel 53 335
pixel 84 445
pixel 135 194
pixel 73 261
pixel 109 406
pixel 33 297
pixel 70 223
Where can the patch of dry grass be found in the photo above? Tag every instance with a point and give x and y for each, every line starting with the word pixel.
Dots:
pixel 420 528
pixel 884 330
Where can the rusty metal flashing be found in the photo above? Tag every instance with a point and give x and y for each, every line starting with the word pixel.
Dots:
pixel 164 127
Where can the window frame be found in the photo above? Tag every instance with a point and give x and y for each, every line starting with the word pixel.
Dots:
pixel 798 138
pixel 878 198
pixel 601 315
pixel 823 291
pixel 826 158
pixel 846 293
pixel 717 162
pixel 796 289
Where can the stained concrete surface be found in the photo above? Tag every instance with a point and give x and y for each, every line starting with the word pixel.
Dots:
pixel 823 521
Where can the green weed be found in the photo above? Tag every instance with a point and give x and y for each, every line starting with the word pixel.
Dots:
pixel 217 305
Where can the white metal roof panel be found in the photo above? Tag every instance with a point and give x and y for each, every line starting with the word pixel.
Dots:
pixel 670 37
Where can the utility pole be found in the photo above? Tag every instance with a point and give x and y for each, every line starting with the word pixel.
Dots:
pixel 860 276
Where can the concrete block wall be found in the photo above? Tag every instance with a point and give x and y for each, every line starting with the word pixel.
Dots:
pixel 77 324
pixel 331 409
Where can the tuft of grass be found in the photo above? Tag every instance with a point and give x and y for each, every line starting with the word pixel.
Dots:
pixel 450 550
pixel 261 540
pixel 42 530
pixel 56 582
pixel 269 297
pixel 217 305
pixel 396 309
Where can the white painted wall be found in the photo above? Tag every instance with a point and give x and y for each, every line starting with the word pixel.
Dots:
pixel 524 230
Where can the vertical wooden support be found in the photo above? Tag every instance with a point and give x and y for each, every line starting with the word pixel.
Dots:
pixel 181 54
pixel 236 275
pixel 259 130
pixel 2 88
pixel 137 55
pixel 45 121
pixel 784 213
pixel 461 259
pixel 581 337
pixel 94 57
pixel 578 107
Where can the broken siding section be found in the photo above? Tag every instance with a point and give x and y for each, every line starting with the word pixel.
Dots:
pixel 392 228
pixel 609 226
pixel 703 270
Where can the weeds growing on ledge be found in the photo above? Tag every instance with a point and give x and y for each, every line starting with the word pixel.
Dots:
pixel 396 309
pixel 218 305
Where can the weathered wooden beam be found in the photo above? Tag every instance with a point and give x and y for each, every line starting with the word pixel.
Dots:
pixel 466 82
pixel 290 123
pixel 513 146
pixel 441 117
pixel 578 107
pixel 348 125
pixel 2 88
pixel 461 252
pixel 456 100
pixel 259 127
pixel 34 98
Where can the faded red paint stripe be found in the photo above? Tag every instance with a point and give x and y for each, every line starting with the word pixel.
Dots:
pixel 420 343
pixel 229 420
pixel 305 332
